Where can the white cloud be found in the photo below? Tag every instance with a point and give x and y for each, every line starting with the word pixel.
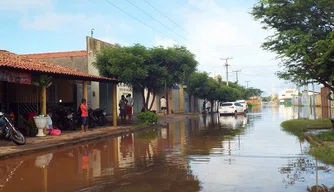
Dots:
pixel 217 32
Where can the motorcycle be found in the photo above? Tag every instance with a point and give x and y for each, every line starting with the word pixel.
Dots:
pixel 65 119
pixel 8 131
pixel 99 116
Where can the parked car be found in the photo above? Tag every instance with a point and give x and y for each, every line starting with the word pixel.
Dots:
pixel 231 108
pixel 244 104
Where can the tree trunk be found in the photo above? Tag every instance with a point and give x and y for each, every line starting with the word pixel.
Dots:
pixel 146 100
pixel 195 106
pixel 212 105
pixel 143 96
pixel 153 99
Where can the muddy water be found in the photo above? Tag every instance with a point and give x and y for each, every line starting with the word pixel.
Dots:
pixel 246 153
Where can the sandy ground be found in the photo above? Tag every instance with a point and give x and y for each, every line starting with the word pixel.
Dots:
pixel 9 149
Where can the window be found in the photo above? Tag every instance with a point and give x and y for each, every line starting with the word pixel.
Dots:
pixel 226 104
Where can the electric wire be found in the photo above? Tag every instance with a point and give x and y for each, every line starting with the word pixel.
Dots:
pixel 166 17
pixel 155 19
pixel 137 19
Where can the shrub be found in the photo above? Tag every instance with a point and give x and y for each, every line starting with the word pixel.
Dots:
pixel 147 118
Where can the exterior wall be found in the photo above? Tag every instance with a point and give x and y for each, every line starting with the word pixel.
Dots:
pixel 317 99
pixel 287 94
pixel 138 99
pixel 93 46
pixel 181 99
pixel 106 100
pixel 186 99
pixel 20 93
pixel 64 90
pixel 176 100
pixel 305 98
pixel 77 63
pixel 324 96
pixel 254 101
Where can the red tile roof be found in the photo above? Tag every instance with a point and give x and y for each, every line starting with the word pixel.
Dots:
pixel 11 60
pixel 57 54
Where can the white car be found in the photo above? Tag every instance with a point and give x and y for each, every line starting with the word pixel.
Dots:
pixel 244 104
pixel 231 108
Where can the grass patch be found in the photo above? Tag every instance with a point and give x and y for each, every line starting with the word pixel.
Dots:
pixel 324 153
pixel 298 127
pixel 325 136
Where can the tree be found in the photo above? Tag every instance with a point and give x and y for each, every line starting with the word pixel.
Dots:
pixel 212 91
pixel 252 92
pixel 146 68
pixel 196 85
pixel 303 38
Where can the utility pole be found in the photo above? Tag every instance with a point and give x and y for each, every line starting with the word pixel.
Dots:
pixel 226 65
pixel 236 73
pixel 247 83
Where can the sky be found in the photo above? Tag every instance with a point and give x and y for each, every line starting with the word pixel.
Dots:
pixel 211 29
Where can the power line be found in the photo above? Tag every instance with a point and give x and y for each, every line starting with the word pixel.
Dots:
pixel 155 19
pixel 225 47
pixel 137 19
pixel 166 17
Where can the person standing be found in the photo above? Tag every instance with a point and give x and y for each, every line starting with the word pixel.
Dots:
pixel 122 106
pixel 129 106
pixel 163 105
pixel 84 115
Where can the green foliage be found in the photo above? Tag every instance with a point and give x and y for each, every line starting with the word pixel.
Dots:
pixel 252 92
pixel 298 127
pixel 150 68
pixel 324 153
pixel 147 118
pixel 196 84
pixel 30 124
pixel 42 80
pixel 325 136
pixel 303 38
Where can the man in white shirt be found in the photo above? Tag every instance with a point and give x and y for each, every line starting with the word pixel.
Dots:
pixel 129 106
pixel 163 105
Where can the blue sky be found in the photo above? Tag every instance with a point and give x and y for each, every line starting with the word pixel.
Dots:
pixel 212 29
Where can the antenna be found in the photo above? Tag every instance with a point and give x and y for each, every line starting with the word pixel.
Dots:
pixel 92 32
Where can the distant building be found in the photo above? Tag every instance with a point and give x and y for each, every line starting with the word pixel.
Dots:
pixel 285 97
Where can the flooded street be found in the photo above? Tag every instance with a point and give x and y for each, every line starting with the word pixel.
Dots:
pixel 246 153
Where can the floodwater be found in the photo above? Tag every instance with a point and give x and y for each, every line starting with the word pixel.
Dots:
pixel 247 153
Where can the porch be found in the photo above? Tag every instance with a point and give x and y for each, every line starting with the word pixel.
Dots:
pixel 19 94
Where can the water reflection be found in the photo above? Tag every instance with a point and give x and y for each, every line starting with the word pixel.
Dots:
pixel 210 153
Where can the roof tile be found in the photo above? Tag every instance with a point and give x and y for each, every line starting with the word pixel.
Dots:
pixel 56 54
pixel 11 60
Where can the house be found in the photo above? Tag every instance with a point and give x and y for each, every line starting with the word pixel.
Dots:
pixel 19 95
pixel 285 97
pixel 98 92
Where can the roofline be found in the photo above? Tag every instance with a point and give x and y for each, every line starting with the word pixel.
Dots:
pixel 77 53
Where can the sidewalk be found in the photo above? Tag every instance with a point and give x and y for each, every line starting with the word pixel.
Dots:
pixel 9 149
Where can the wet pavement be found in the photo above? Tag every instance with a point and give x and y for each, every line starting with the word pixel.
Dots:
pixel 246 153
